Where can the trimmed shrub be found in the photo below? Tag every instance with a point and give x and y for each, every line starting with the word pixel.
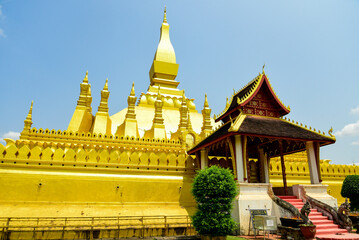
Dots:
pixel 350 189
pixel 214 189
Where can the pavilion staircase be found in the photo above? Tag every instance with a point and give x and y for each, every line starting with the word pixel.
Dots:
pixel 324 225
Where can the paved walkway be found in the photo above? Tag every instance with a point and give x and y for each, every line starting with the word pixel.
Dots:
pixel 260 237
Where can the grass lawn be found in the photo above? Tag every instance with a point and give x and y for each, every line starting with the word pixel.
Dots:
pixel 234 238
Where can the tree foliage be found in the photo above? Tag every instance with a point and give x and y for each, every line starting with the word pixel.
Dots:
pixel 214 189
pixel 350 189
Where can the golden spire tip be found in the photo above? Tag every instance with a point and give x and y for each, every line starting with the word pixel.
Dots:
pixel 106 85
pixel 263 68
pixel 165 16
pixel 133 89
pixel 206 101
pixel 86 79
pixel 32 103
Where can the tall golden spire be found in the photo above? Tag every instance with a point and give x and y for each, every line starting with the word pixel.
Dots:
pixel 165 51
pixel 164 68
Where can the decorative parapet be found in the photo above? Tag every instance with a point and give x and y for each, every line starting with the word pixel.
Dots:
pixel 301 168
pixel 70 137
pixel 120 156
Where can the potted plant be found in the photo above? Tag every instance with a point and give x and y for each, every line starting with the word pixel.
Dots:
pixel 308 230
pixel 214 189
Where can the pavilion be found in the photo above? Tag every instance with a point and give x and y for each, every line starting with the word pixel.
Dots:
pixel 254 128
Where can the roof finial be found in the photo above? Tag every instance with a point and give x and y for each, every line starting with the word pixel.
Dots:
pixel 165 17
pixel 86 79
pixel 263 68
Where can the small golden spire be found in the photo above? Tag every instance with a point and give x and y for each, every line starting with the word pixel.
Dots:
pixel 30 111
pixel 28 120
pixel 86 79
pixel 206 105
pixel 133 89
pixel 106 85
pixel 263 68
pixel 165 16
pixel 103 107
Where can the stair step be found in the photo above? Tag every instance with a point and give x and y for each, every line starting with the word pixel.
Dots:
pixel 331 231
pixel 315 217
pixel 315 214
pixel 327 226
pixel 318 222
pixel 287 197
pixel 347 236
pixel 294 200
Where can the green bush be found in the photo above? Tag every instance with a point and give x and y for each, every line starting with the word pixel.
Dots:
pixel 350 189
pixel 214 189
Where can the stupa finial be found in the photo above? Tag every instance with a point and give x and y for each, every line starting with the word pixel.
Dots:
pixel 206 105
pixel 106 85
pixel 133 89
pixel 86 78
pixel 165 16
pixel 30 111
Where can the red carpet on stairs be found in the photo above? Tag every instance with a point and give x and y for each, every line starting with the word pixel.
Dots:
pixel 326 229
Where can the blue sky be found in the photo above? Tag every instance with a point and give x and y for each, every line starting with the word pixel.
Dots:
pixel 310 49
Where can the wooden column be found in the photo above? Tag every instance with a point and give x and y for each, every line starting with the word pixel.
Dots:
pixel 263 165
pixel 283 168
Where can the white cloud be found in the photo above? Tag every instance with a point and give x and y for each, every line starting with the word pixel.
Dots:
pixel 351 129
pixel 355 143
pixel 2 33
pixel 10 134
pixel 355 110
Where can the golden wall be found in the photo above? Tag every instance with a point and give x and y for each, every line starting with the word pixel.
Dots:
pixel 93 175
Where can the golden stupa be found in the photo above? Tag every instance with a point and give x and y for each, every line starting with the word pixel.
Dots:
pixel 133 163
